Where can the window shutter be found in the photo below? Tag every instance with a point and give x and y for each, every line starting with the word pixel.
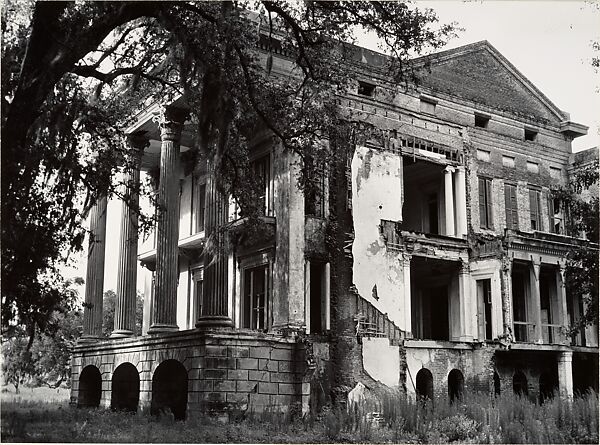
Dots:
pixel 534 209
pixel 482 206
pixel 550 213
pixel 514 207
pixel 488 202
pixel 510 204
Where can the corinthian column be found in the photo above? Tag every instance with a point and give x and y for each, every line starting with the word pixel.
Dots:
pixel 164 315
pixel 127 272
pixel 214 298
pixel 449 201
pixel 94 282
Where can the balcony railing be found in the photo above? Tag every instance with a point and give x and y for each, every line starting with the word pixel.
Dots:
pixel 524 331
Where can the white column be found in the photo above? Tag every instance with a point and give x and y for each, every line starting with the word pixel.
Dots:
pixel 449 201
pixel 561 295
pixel 461 203
pixel 467 318
pixel 407 295
pixel 536 307
pixel 565 374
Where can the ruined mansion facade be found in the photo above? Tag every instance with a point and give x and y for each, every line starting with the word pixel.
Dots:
pixel 453 244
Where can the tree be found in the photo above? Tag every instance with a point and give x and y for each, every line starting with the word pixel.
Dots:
pixel 580 200
pixel 108 316
pixel 73 72
pixel 17 365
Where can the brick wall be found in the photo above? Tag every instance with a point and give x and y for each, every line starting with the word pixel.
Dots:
pixel 248 371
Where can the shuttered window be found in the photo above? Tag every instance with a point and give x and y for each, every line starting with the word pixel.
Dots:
pixel 485 203
pixel 555 216
pixel 510 202
pixel 535 209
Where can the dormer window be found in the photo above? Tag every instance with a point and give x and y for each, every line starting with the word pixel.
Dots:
pixel 427 104
pixel 366 89
pixel 530 134
pixel 481 120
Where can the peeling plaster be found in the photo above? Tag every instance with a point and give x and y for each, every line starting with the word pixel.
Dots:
pixel 381 361
pixel 377 195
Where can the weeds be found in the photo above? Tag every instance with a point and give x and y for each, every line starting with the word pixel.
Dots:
pixel 475 419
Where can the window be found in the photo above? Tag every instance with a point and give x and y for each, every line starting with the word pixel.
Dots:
pixel 510 203
pixel 198 293
pixel 555 172
pixel 427 105
pixel 508 161
pixel 555 215
pixel 481 120
pixel 256 298
pixel 533 167
pixel 535 209
pixel 318 299
pixel 530 134
pixel 314 197
pixel 483 155
pixel 199 206
pixel 261 168
pixel 485 203
pixel 366 89
pixel 484 309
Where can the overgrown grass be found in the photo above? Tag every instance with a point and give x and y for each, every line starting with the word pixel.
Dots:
pixel 475 419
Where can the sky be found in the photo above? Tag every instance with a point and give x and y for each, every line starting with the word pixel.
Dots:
pixel 549 42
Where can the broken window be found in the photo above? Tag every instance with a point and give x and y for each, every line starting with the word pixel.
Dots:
pixel 484 309
pixel 508 161
pixel 421 206
pixel 555 215
pixel 535 209
pixel 481 120
pixel 510 203
pixel 198 292
pixel 366 88
pixel 261 168
pixel 318 298
pixel 256 298
pixel 521 326
pixel 314 196
pixel 427 105
pixel 485 203
pixel 198 206
pixel 530 134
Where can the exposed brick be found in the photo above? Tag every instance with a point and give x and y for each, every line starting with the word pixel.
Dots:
pixel 247 363
pixel 260 376
pixel 259 352
pixel 268 365
pixel 202 385
pixel 216 351
pixel 238 351
pixel 219 362
pixel 212 396
pixel 214 374
pixel 194 374
pixel 246 386
pixel 281 354
pixel 285 377
pixel 233 397
pixel 224 385
pixel 237 374
pixel 290 388
pixel 268 388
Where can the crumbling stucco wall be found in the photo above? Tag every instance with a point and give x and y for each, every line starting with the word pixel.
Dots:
pixel 381 360
pixel 376 196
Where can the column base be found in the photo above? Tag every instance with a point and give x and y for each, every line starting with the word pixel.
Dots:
pixel 162 328
pixel 121 333
pixel 86 339
pixel 214 321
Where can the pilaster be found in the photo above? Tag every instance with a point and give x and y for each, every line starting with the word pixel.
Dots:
pixel 466 303
pixel 461 203
pixel 536 308
pixel 449 201
pixel 407 295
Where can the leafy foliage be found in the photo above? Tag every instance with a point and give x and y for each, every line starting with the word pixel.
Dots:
pixel 108 313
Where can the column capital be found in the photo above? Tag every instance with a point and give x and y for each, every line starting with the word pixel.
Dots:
pixel 171 119
pixel 449 169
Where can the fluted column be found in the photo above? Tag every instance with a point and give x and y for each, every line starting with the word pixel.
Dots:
pixel 534 285
pixel 94 283
pixel 561 295
pixel 449 201
pixel 164 315
pixel 127 273
pixel 214 299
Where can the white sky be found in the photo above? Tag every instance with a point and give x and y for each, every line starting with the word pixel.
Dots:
pixel 548 41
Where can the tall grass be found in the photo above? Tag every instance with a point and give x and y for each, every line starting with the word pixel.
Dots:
pixel 476 418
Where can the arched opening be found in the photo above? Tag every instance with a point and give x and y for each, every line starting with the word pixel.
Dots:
pixel 548 385
pixel 520 384
pixel 125 388
pixel 169 389
pixel 424 384
pixel 496 384
pixel 90 387
pixel 456 383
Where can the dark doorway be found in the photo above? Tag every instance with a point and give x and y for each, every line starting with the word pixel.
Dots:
pixel 169 389
pixel 456 384
pixel 548 385
pixel 438 300
pixel 520 384
pixel 90 387
pixel 484 309
pixel 255 313
pixel 424 384
pixel 125 388
pixel 519 282
pixel 496 384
